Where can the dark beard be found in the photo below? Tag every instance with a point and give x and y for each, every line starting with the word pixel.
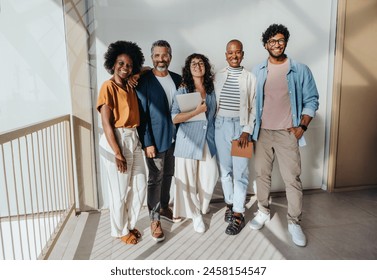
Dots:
pixel 280 57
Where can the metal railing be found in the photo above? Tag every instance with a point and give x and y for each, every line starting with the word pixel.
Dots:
pixel 36 188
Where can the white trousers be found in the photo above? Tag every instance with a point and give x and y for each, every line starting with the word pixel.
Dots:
pixel 126 190
pixel 195 181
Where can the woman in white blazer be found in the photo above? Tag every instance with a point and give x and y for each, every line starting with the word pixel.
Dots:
pixel 235 94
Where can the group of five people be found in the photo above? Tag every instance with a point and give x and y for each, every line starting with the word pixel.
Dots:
pixel 272 106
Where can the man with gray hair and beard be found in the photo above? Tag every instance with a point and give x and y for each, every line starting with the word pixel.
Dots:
pixel 155 91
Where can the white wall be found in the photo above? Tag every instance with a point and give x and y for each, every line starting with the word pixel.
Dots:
pixel 33 72
pixel 78 15
pixel 206 26
pixel 34 84
pixel 34 81
pixel 44 74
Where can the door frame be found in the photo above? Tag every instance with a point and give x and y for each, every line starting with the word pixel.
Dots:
pixel 336 94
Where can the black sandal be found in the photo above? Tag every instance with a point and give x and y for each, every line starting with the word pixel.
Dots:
pixel 236 225
pixel 228 213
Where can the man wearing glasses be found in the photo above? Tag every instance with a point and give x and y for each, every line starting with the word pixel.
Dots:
pixel 286 102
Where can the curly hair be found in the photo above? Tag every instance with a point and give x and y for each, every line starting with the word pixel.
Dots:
pixel 274 29
pixel 123 47
pixel 187 79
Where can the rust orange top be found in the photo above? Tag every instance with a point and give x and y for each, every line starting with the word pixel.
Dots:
pixel 123 103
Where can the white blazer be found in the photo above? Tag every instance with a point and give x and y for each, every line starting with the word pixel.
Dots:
pixel 247 82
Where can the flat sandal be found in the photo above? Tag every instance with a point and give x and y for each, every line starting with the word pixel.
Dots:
pixel 236 225
pixel 136 233
pixel 129 239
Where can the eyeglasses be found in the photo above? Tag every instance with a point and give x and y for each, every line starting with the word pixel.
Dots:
pixel 196 64
pixel 272 42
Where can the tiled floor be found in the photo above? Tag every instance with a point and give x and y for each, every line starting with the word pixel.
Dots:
pixel 339 226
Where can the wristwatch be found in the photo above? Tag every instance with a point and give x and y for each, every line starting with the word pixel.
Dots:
pixel 304 127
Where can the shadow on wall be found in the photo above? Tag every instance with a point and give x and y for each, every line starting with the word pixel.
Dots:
pixel 197 30
pixel 189 27
pixel 356 150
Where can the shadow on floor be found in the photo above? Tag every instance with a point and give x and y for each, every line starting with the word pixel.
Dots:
pixel 339 226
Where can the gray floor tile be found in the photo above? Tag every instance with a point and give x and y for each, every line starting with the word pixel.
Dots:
pixel 339 226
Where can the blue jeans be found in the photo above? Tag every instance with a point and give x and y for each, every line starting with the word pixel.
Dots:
pixel 234 171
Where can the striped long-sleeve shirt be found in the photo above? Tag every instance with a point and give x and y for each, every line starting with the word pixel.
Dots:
pixel 230 94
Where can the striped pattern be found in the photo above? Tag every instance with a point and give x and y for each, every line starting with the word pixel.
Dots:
pixel 230 93
pixel 191 136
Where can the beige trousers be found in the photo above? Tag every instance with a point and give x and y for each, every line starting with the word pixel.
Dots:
pixel 126 190
pixel 284 146
pixel 195 181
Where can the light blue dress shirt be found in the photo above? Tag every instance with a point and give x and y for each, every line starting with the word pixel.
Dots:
pixel 303 94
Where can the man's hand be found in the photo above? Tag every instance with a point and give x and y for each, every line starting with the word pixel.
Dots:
pixel 297 131
pixel 150 151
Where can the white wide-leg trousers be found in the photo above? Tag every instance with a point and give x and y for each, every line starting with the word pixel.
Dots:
pixel 195 181
pixel 126 190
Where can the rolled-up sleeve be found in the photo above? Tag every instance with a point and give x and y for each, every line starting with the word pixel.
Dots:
pixel 310 101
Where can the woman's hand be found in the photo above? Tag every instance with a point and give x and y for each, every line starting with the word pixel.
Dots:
pixel 107 118
pixel 121 163
pixel 132 80
pixel 201 108
pixel 243 141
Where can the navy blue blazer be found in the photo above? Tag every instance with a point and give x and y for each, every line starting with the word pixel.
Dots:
pixel 156 126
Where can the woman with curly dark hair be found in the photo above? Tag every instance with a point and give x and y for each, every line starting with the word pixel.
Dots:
pixel 196 170
pixel 120 148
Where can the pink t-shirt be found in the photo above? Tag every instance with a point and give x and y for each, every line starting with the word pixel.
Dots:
pixel 277 107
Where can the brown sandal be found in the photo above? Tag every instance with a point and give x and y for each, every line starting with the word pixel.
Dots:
pixel 129 239
pixel 136 233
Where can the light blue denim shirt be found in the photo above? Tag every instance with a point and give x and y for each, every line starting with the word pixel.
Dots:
pixel 302 89
pixel 191 136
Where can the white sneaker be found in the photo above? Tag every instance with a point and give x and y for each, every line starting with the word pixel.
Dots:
pixel 298 236
pixel 259 220
pixel 198 224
